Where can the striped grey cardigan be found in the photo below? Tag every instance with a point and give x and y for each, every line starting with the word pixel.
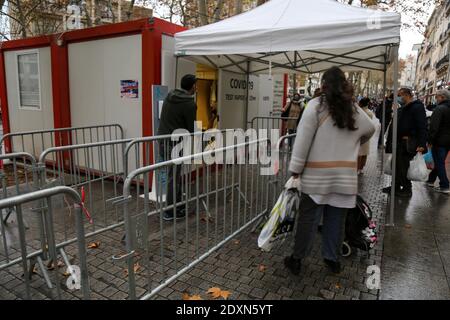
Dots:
pixel 325 156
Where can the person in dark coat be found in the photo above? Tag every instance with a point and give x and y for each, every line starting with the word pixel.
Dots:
pixel 387 120
pixel 411 138
pixel 439 140
pixel 178 112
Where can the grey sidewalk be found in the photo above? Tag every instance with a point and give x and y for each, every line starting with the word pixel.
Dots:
pixel 416 259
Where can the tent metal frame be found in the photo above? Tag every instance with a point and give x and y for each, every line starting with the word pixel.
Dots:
pixel 295 66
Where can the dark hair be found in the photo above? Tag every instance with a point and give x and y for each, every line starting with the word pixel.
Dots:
pixel 296 95
pixel 188 81
pixel 338 94
pixel 364 102
pixel 406 91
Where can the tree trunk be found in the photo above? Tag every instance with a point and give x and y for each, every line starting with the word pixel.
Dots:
pixel 97 13
pixel 110 8
pixel 184 19
pixel 218 10
pixel 238 6
pixel 130 9
pixel 260 2
pixel 203 13
pixel 21 19
pixel 86 13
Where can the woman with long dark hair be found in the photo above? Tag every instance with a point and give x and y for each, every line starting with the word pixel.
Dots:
pixel 324 158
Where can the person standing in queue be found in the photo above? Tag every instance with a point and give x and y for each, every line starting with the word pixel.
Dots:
pixel 324 158
pixel 411 138
pixel 178 112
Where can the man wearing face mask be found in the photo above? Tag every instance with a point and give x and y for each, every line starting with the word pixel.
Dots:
pixel 411 138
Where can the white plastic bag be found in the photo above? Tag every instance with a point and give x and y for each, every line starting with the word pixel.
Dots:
pixel 388 165
pixel 418 170
pixel 282 216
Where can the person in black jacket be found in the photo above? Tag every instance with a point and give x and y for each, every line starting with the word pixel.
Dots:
pixel 411 138
pixel 439 140
pixel 178 112
pixel 388 118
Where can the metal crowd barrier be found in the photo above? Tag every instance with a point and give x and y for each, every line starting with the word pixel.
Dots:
pixel 28 260
pixel 94 169
pixel 269 123
pixel 221 199
pixel 140 150
pixel 18 177
pixel 277 181
pixel 15 181
pixel 98 170
pixel 35 142
pixel 165 250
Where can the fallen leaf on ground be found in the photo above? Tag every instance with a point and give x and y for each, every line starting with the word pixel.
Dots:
pixel 408 226
pixel 337 286
pixel 236 242
pixel 35 270
pixel 225 294
pixel 196 297
pixel 217 293
pixel 136 268
pixel 94 245
pixel 262 268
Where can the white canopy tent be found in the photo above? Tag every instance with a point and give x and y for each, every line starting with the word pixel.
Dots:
pixel 296 36
pixel 293 36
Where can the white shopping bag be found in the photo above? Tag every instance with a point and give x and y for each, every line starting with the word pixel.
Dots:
pixel 282 216
pixel 418 170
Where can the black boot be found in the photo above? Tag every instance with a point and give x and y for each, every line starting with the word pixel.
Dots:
pixel 293 264
pixel 334 266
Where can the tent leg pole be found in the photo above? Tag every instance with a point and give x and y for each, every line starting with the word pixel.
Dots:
pixel 176 72
pixel 248 91
pixel 394 140
pixel 383 119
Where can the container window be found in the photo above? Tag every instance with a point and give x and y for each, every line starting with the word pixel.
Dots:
pixel 28 71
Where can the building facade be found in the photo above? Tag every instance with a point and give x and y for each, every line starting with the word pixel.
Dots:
pixel 432 71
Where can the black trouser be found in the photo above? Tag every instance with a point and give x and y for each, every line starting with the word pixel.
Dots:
pixel 173 176
pixel 333 231
pixel 403 159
